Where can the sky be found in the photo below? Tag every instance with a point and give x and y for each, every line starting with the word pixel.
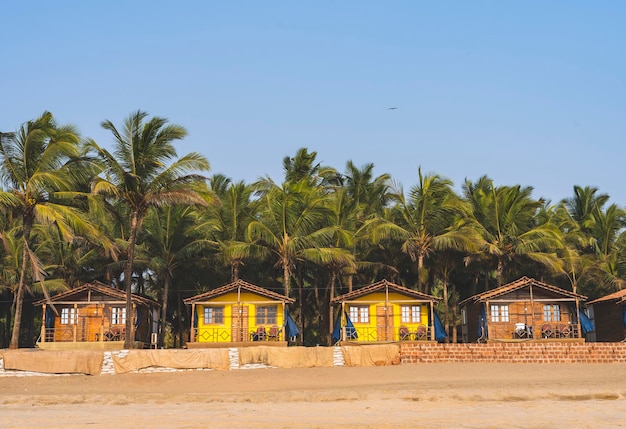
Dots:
pixel 528 93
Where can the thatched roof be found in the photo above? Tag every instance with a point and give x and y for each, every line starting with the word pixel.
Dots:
pixel 522 283
pixel 240 285
pixel 85 292
pixel 381 286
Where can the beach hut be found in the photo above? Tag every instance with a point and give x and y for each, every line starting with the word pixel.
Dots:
pixel 525 309
pixel 238 312
pixel 609 317
pixel 94 316
pixel 384 311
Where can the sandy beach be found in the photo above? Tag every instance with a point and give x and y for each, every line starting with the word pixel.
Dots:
pixel 416 396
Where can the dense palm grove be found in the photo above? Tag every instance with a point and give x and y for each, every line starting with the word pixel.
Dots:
pixel 145 220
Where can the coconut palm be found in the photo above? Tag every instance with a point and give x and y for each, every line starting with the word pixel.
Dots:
pixel 289 226
pixel 36 166
pixel 171 242
pixel 506 219
pixel 229 221
pixel 432 219
pixel 138 174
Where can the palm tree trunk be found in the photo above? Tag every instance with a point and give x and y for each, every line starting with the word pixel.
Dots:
pixel 166 293
pixel 446 308
pixel 128 272
pixel 454 314
pixel 19 294
pixel 499 273
pixel 331 295
pixel 286 276
pixel 420 265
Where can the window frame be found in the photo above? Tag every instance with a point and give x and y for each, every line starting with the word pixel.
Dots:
pixel 359 313
pixel 500 313
pixel 118 315
pixel 69 316
pixel 409 312
pixel 264 316
pixel 213 315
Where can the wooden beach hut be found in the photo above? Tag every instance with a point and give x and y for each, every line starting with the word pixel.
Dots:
pixel 238 312
pixel 94 316
pixel 384 311
pixel 609 316
pixel 525 309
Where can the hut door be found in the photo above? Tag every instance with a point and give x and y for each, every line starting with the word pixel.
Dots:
pixel 384 323
pixel 239 323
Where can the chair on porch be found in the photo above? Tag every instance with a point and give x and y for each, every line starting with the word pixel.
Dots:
pixel 404 333
pixel 564 331
pixel 547 331
pixel 260 334
pixel 421 333
pixel 273 334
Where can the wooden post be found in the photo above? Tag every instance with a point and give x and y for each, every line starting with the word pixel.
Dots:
pixel 487 318
pixel 432 318
pixel 532 311
pixel 75 321
pixel 342 322
pixel 192 330
pixel 43 324
pixel 387 313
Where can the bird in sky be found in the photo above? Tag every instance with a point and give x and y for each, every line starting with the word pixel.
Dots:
pixel 393 108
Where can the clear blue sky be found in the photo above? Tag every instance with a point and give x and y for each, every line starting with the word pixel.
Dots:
pixel 529 93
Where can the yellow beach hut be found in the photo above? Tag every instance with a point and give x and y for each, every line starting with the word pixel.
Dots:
pixel 238 312
pixel 385 311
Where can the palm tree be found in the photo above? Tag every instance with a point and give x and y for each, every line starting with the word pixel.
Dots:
pixel 138 174
pixel 171 243
pixel 36 165
pixel 230 220
pixel 432 219
pixel 289 224
pixel 506 218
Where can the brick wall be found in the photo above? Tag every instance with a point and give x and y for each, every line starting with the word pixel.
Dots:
pixel 523 352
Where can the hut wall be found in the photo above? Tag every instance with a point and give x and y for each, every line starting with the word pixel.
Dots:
pixel 236 326
pixel 608 321
pixel 384 321
pixel 532 316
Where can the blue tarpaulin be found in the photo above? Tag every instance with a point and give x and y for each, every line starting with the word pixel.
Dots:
pixel 336 334
pixel 350 329
pixel 482 323
pixel 291 329
pixel 624 314
pixel 585 322
pixel 49 317
pixel 440 332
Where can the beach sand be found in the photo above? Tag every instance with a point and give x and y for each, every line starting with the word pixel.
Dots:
pixel 408 396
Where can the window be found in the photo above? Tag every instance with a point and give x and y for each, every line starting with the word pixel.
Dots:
pixel 499 313
pixel 360 314
pixel 551 313
pixel 266 315
pixel 411 313
pixel 213 315
pixel 68 316
pixel 118 315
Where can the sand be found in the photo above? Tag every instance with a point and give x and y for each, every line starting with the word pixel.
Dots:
pixel 415 396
